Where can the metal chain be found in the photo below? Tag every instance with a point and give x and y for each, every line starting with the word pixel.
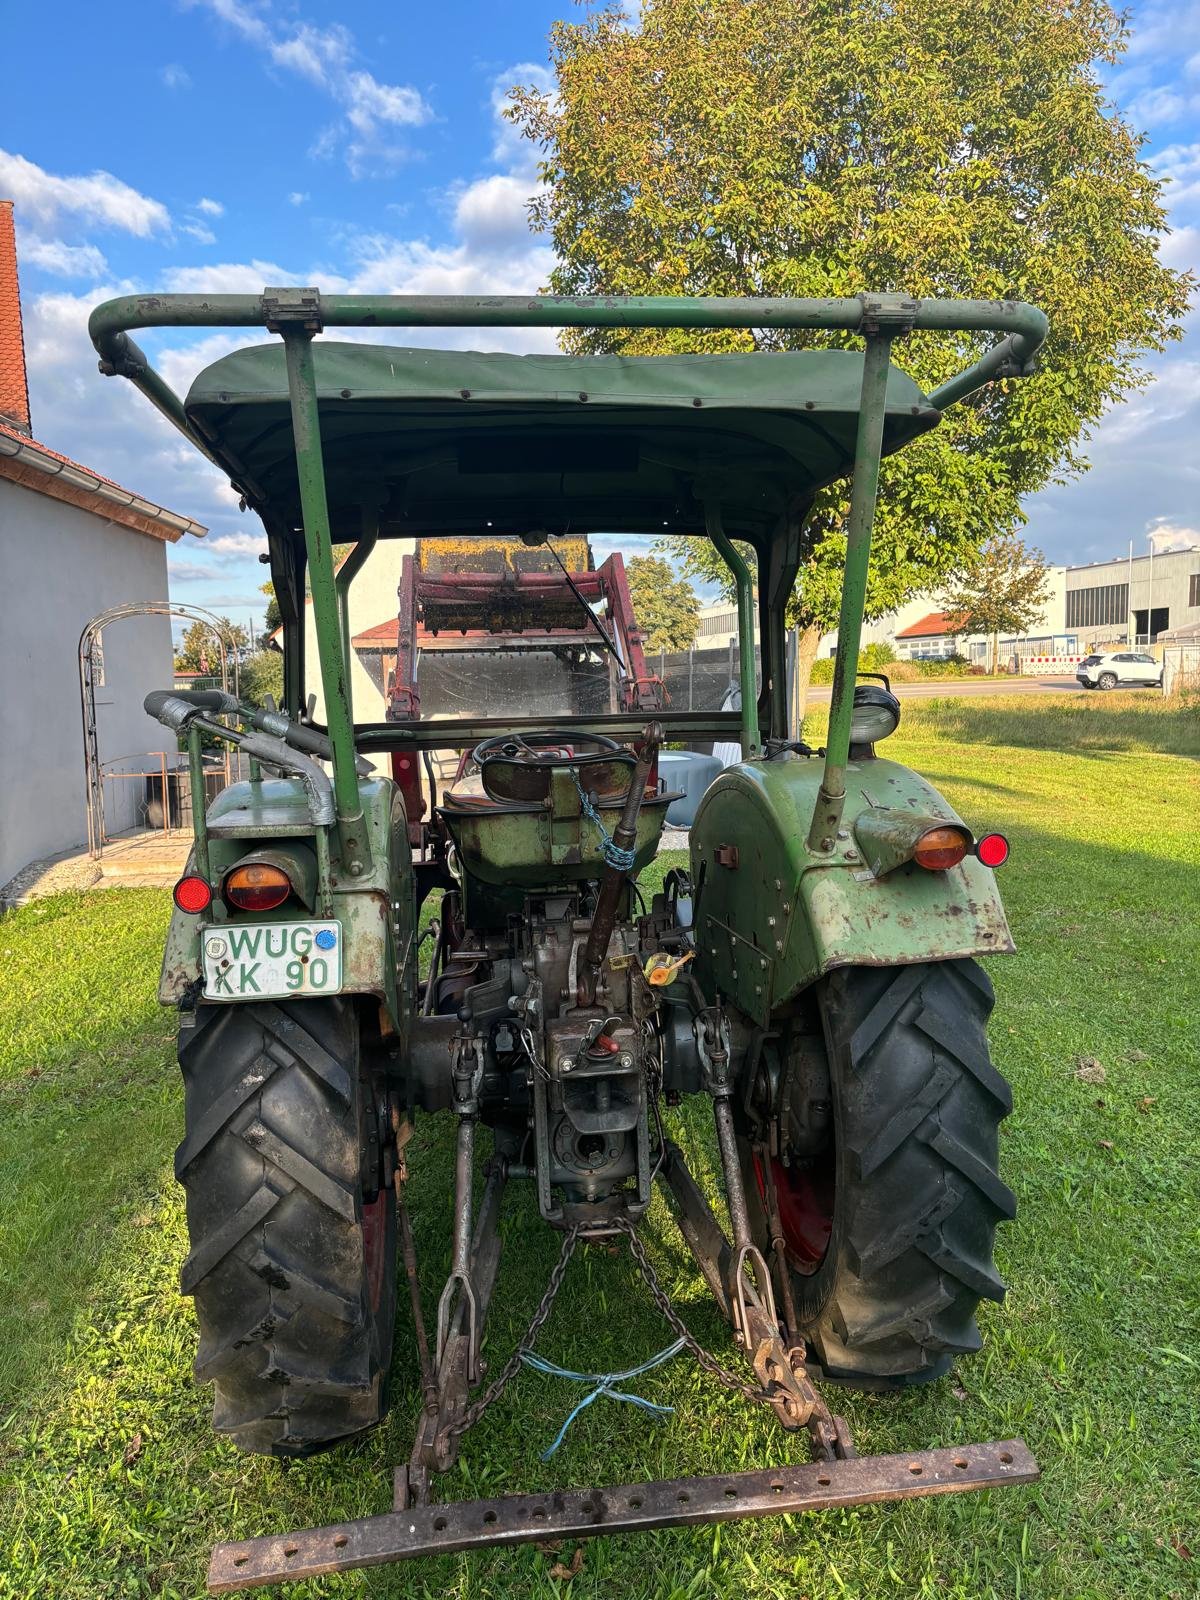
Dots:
pixel 514 1363
pixel 709 1362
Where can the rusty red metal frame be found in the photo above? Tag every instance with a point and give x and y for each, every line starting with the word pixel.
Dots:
pixel 410 1531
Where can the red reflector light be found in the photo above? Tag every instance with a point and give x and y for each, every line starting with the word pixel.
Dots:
pixel 939 848
pixel 992 849
pixel 192 894
pixel 257 887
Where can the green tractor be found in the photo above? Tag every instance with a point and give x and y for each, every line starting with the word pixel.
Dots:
pixel 813 973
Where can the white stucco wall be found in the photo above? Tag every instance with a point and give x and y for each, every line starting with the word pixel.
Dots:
pixel 373 600
pixel 59 567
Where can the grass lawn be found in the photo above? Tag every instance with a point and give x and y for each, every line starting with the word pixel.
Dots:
pixel 112 1484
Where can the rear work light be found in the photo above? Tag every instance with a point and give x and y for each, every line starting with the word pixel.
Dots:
pixel 257 887
pixel 992 849
pixel 192 894
pixel 939 848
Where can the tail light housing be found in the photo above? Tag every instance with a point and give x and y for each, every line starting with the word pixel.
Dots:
pixel 942 847
pixel 192 894
pixel 256 886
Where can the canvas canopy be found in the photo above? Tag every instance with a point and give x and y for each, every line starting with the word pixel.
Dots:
pixel 460 441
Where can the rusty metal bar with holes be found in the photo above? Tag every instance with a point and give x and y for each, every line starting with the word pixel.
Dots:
pixel 628 1508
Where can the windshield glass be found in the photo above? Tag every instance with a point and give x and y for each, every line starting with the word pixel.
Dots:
pixel 562 627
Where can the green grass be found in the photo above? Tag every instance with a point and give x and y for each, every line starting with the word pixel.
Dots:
pixel 1082 723
pixel 1094 1358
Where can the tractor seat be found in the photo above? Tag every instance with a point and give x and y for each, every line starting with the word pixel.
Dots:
pixel 467 795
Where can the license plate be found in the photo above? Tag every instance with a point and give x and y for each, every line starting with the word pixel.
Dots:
pixel 243 961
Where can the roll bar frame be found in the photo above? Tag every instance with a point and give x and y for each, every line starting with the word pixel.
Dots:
pixel 297 314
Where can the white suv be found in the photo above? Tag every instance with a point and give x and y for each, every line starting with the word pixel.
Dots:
pixel 1127 668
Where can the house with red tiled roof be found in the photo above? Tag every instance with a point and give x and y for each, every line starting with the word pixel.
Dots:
pixel 933 636
pixel 72 544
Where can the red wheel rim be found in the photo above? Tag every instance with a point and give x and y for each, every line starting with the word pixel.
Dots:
pixel 374 1227
pixel 805 1199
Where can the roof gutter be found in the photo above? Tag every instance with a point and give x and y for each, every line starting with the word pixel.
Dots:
pixel 28 455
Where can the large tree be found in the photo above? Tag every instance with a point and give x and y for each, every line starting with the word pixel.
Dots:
pixel 665 605
pixel 1003 588
pixel 800 147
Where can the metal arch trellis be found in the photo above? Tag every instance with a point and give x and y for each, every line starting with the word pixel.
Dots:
pixel 93 767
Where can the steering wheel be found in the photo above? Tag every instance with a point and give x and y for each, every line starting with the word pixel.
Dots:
pixel 520 766
pixel 543 748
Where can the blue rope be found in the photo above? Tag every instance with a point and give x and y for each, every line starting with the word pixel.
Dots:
pixel 623 860
pixel 605 1384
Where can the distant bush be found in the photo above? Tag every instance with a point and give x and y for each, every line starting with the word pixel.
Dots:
pixel 875 657
pixel 944 667
pixel 872 658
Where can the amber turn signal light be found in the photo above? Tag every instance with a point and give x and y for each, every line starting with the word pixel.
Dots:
pixel 939 848
pixel 257 887
pixel 192 894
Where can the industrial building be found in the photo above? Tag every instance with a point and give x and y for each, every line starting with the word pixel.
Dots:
pixel 1132 599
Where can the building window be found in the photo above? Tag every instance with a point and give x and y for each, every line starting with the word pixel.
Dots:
pixel 1194 590
pixel 1090 608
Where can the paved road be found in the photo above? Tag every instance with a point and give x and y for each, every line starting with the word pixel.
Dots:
pixel 928 688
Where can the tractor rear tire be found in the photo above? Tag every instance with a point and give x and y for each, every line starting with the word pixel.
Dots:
pixel 916 1191
pixel 293 1258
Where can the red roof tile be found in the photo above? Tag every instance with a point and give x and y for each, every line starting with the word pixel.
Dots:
pixel 936 625
pixel 381 633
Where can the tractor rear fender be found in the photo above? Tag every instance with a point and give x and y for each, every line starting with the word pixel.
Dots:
pixel 376 910
pixel 772 916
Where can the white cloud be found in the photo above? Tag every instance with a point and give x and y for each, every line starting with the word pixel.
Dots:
pixel 199 232
pixel 299 197
pixel 210 208
pixel 326 57
pixel 1181 248
pixel 63 260
pixel 1174 393
pixel 369 102
pixel 1180 163
pixel 1163 104
pixel 1164 534
pixel 99 198
pixel 492 213
pixel 181 572
pixel 228 277
pixel 175 76
pixel 229 546
pixel 103 422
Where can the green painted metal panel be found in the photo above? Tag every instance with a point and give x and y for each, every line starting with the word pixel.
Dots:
pixel 782 915
pixel 376 910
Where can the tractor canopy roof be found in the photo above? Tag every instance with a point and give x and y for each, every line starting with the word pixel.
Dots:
pixel 459 441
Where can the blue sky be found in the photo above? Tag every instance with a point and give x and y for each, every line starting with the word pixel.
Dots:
pixel 229 144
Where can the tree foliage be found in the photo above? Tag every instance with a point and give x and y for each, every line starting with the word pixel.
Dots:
pixel 261 674
pixel 198 650
pixel 1003 589
pixel 274 616
pixel 802 147
pixel 665 605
